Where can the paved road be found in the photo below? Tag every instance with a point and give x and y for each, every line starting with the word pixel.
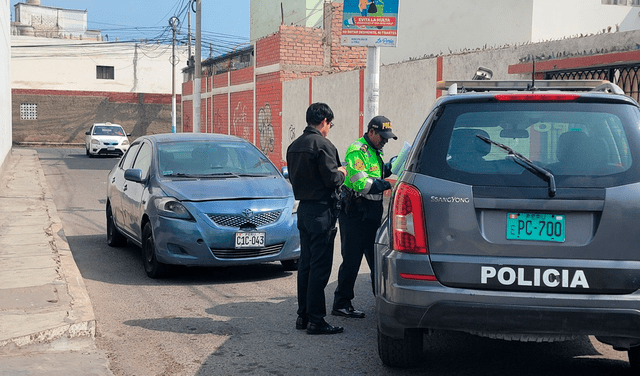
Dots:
pixel 241 320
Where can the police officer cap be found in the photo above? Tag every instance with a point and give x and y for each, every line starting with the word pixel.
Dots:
pixel 382 125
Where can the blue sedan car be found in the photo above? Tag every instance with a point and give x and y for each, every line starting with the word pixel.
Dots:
pixel 201 200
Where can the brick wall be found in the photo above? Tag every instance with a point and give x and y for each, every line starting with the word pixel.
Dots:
pixel 267 51
pixel 242 76
pixel 301 46
pixel 220 113
pixel 242 114
pixel 64 116
pixel 269 115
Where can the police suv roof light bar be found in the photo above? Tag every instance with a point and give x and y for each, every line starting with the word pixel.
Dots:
pixel 462 86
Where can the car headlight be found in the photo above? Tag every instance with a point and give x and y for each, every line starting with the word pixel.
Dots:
pixel 125 142
pixel 172 208
pixel 295 206
pixel 95 142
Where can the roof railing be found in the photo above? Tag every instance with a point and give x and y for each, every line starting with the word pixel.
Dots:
pixel 463 86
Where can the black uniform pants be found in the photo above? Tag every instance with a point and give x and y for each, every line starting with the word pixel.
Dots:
pixel 358 229
pixel 317 225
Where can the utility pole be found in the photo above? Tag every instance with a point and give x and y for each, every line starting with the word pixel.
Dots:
pixel 196 79
pixel 189 28
pixel 173 22
pixel 373 83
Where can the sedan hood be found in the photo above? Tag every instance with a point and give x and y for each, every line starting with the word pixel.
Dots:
pixel 227 188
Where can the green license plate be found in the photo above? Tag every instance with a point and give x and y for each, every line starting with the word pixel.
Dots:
pixel 534 226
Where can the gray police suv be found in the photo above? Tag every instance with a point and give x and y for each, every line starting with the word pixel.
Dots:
pixel 515 218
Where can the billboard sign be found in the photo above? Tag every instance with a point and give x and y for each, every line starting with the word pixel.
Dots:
pixel 368 23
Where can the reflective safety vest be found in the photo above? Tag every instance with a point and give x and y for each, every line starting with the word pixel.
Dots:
pixel 364 165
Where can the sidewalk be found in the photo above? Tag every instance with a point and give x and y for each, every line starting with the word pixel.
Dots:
pixel 47 324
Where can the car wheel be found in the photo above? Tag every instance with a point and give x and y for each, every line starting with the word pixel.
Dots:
pixel 153 267
pixel 290 264
pixel 114 236
pixel 634 358
pixel 404 352
pixel 86 151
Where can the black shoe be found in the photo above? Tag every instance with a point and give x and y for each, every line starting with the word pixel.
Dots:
pixel 323 327
pixel 301 323
pixel 348 312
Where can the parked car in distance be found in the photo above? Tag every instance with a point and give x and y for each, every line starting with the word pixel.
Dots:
pixel 201 200
pixel 515 219
pixel 106 139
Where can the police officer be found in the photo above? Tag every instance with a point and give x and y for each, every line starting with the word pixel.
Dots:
pixel 362 209
pixel 316 174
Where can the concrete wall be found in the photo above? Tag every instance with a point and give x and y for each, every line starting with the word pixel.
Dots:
pixel 5 84
pixel 60 64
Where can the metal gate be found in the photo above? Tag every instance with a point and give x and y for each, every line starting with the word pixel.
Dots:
pixel 626 76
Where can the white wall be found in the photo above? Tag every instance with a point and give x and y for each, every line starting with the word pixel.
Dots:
pixel 266 15
pixel 575 17
pixel 61 64
pixel 5 84
pixel 436 27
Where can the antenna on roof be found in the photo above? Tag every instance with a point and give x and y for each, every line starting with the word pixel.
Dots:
pixel 533 75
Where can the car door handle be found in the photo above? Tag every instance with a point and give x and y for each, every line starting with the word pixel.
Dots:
pixel 124 188
pixel 113 180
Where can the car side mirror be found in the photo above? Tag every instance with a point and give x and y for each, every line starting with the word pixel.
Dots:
pixel 285 172
pixel 133 174
pixel 87 133
pixel 128 134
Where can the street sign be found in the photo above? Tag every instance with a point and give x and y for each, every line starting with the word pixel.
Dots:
pixel 370 23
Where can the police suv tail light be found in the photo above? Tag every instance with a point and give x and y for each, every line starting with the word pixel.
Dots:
pixel 408 224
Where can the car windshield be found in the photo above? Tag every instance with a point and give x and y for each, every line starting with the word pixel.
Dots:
pixel 586 141
pixel 214 159
pixel 107 130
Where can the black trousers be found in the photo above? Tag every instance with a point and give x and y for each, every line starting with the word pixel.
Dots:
pixel 317 225
pixel 358 229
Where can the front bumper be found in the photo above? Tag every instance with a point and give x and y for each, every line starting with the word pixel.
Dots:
pixel 108 150
pixel 180 242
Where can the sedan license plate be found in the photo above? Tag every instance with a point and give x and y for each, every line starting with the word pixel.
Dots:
pixel 250 239
pixel 111 148
pixel 535 226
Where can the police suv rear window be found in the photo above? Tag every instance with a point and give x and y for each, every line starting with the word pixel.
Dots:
pixel 581 144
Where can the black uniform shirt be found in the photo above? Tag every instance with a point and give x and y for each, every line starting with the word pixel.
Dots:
pixel 313 163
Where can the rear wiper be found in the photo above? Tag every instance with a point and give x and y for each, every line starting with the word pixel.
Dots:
pixel 526 163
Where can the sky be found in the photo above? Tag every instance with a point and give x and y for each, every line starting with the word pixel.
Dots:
pixel 225 23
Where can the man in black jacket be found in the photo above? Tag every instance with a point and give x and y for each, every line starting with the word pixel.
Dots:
pixel 316 174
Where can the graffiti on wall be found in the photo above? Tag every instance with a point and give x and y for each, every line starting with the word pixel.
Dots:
pixel 292 132
pixel 267 134
pixel 240 126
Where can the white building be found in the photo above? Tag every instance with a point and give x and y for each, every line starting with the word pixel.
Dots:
pixel 82 65
pixel 435 27
pixel 34 19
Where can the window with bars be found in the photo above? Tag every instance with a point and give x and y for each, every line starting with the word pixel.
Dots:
pixel 104 72
pixel 29 111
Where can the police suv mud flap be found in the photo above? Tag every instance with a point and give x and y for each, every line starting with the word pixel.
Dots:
pixel 537 275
